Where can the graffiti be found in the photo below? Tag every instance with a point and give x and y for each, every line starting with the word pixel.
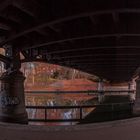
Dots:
pixel 9 101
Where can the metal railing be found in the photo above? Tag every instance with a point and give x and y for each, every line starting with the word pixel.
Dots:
pixel 86 91
pixel 79 109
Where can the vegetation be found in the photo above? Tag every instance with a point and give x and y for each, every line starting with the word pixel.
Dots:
pixel 40 74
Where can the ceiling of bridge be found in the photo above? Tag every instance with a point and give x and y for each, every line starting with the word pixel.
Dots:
pixel 101 37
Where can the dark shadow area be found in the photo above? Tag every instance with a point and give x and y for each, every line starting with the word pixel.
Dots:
pixel 107 112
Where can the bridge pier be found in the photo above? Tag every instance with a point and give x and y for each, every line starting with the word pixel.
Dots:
pixel 12 101
pixel 136 108
pixel 100 92
pixel 131 94
pixel 12 105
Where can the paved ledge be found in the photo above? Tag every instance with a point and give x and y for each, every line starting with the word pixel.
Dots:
pixel 116 130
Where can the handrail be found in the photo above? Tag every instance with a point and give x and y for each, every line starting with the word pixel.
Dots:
pixel 87 91
pixel 79 107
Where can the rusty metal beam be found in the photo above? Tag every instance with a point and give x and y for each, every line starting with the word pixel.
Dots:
pixel 69 18
pixel 30 8
pixel 53 28
pixel 43 33
pixel 98 61
pixel 81 38
pixel 93 57
pixel 101 55
pixel 94 48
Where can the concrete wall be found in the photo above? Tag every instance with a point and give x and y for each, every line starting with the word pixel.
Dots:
pixel 118 130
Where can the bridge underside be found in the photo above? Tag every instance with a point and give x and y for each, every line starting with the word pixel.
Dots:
pixel 95 36
pixel 98 37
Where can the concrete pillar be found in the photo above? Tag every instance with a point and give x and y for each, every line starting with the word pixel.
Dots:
pixel 136 108
pixel 129 85
pixel 131 94
pixel 100 92
pixel 12 101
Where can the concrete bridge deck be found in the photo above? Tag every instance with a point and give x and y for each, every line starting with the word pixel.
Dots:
pixel 117 130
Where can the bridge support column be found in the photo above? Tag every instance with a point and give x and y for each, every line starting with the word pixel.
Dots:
pixel 12 101
pixel 100 92
pixel 136 108
pixel 12 105
pixel 131 94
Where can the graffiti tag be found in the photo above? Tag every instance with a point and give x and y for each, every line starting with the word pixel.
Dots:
pixel 9 101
